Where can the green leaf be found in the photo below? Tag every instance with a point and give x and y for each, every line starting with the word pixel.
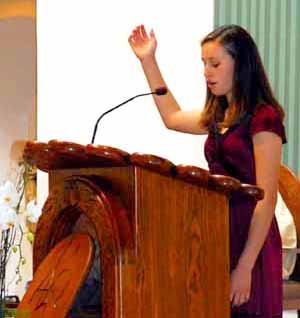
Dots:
pixel 30 237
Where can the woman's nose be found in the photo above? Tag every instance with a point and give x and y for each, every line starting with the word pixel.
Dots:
pixel 207 72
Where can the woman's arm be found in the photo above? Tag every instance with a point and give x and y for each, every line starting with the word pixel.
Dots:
pixel 267 154
pixel 174 118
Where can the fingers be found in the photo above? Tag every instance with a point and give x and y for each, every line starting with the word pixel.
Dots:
pixel 240 286
pixel 142 45
pixel 238 299
pixel 152 35
pixel 143 31
pixel 139 35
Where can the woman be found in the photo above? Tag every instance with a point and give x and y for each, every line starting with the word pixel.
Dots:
pixel 243 121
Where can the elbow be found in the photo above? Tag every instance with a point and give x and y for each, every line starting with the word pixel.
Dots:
pixel 169 125
pixel 270 200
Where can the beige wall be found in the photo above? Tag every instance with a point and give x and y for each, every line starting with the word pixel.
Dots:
pixel 17 79
pixel 17 101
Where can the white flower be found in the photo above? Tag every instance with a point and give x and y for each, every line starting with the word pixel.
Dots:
pixel 8 195
pixel 33 212
pixel 8 218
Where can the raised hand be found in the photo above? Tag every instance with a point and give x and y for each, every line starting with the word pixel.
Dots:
pixel 142 44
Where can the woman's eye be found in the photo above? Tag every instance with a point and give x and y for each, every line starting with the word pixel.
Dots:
pixel 215 64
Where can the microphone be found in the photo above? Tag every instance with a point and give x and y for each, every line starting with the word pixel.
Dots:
pixel 158 91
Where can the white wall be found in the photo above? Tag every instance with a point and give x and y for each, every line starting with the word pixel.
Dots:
pixel 86 66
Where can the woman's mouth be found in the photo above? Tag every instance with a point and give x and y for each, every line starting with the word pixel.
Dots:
pixel 211 84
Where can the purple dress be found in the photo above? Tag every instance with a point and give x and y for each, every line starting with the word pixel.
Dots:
pixel 232 154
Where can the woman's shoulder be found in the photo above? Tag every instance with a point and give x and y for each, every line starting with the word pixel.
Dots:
pixel 266 110
pixel 267 118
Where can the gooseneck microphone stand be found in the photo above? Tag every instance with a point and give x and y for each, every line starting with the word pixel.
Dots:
pixel 159 91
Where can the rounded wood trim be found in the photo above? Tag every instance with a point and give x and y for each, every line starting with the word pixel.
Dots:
pixel 153 163
pixel 52 227
pixel 65 155
pixel 252 191
pixel 111 202
pixel 39 154
pixel 68 149
pixel 192 174
pixel 223 183
pixel 229 184
pixel 108 156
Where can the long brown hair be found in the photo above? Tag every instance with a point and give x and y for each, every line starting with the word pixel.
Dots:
pixel 251 87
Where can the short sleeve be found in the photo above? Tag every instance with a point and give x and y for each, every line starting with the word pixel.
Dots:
pixel 267 119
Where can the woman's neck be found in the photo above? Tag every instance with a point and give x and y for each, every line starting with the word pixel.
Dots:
pixel 231 109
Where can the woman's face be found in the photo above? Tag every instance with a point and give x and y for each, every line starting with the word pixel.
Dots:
pixel 218 69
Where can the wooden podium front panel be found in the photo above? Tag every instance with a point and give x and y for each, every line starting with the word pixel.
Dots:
pixel 181 263
pixel 178 264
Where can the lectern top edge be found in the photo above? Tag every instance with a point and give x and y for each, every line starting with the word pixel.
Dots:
pixel 68 155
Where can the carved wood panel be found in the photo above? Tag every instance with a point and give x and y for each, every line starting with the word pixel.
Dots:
pixel 58 278
pixel 109 218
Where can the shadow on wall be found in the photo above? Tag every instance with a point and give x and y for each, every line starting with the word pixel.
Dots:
pixel 17 80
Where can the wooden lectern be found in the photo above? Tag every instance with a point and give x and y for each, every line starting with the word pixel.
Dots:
pixel 163 230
